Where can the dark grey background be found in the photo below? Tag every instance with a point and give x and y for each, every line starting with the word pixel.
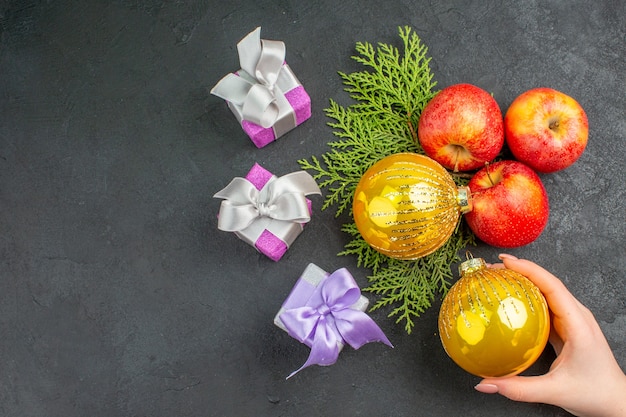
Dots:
pixel 119 296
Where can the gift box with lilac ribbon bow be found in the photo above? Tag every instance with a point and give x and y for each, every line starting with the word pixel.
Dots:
pixel 266 211
pixel 265 95
pixel 325 312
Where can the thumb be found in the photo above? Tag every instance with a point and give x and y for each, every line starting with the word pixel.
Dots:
pixel 535 389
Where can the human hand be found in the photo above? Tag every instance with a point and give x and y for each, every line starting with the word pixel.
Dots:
pixel 585 379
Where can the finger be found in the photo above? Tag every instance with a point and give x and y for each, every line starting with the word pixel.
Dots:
pixel 535 389
pixel 568 314
pixel 560 300
pixel 556 341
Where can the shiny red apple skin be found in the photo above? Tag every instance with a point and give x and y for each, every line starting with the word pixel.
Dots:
pixel 461 127
pixel 510 204
pixel 546 129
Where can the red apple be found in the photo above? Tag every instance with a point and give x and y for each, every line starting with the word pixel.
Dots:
pixel 461 127
pixel 510 204
pixel 546 129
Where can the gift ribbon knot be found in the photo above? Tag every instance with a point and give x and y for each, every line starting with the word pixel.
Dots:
pixel 327 319
pixel 282 198
pixel 266 209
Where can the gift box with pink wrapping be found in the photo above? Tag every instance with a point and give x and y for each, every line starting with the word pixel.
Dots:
pixel 326 311
pixel 266 211
pixel 265 95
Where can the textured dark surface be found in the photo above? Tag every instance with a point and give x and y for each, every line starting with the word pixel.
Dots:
pixel 119 296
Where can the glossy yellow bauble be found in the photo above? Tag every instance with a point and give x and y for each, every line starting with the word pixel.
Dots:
pixel 407 205
pixel 493 322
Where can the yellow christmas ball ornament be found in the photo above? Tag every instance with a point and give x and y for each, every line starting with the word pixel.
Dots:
pixel 407 205
pixel 493 322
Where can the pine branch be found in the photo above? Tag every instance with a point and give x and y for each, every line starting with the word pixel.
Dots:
pixel 414 284
pixel 389 97
pixel 367 257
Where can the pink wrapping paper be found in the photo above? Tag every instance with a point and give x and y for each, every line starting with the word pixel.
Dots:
pixel 260 136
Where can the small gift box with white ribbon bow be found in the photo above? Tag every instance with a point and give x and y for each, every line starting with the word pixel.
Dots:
pixel 264 95
pixel 266 211
pixel 325 311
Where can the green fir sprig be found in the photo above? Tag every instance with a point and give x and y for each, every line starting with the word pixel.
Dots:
pixel 389 95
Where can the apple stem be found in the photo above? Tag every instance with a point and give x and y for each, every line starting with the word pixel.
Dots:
pixel 456 160
pixel 489 174
pixel 554 124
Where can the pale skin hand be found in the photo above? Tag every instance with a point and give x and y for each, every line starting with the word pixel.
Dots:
pixel 585 379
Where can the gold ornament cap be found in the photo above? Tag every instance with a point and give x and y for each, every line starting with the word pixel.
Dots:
pixel 472 265
pixel 464 198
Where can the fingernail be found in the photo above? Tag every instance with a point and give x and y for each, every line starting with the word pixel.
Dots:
pixel 486 388
pixel 506 256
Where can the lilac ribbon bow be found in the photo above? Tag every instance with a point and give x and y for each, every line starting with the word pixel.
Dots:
pixel 326 320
